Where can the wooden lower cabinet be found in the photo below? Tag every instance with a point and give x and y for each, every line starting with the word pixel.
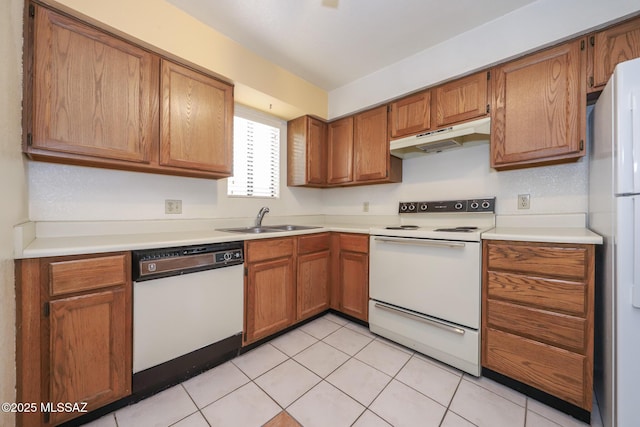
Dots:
pixel 537 316
pixel 74 330
pixel 291 279
pixel 313 275
pixel 351 274
pixel 269 287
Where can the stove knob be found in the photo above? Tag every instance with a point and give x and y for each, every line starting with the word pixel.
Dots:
pixel 403 207
pixel 412 207
pixel 474 205
pixel 423 207
pixel 458 206
pixel 486 204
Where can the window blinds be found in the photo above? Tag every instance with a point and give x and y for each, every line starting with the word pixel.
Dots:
pixel 256 159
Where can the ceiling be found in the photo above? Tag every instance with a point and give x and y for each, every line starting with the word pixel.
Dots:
pixel 331 43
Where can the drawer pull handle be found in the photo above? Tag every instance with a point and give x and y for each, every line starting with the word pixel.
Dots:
pixel 414 316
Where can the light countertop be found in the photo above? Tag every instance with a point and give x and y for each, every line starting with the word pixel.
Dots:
pixel 29 246
pixel 566 228
pixel 33 240
pixel 544 234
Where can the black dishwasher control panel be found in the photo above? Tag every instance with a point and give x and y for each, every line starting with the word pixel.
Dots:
pixel 150 264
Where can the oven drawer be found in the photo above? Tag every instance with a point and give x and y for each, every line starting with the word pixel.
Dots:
pixel 560 330
pixel 451 344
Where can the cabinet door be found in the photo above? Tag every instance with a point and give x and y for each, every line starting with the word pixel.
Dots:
pixel 196 121
pixel 316 152
pixel 611 47
pixel 90 350
pixel 270 298
pixel 340 151
pixel 354 284
pixel 462 100
pixel 410 115
pixel 93 95
pixel 313 283
pixel 371 145
pixel 539 108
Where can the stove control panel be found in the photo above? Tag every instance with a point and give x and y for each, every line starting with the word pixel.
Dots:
pixel 449 206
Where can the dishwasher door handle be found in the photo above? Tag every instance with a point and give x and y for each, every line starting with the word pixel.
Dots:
pixel 415 316
pixel 420 242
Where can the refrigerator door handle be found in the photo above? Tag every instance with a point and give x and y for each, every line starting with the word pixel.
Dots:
pixel 635 140
pixel 635 294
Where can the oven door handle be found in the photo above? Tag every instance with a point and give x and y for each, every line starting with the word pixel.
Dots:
pixel 420 242
pixel 415 316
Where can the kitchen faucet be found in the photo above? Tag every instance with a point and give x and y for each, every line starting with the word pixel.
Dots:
pixel 261 213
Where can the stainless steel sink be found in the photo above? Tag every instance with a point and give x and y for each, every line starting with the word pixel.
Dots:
pixel 268 228
pixel 291 227
pixel 250 230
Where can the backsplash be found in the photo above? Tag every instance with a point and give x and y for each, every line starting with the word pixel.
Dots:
pixel 465 173
pixel 72 193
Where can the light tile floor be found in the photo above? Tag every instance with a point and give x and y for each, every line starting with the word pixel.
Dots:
pixel 332 372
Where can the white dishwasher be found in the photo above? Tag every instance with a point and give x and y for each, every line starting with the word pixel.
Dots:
pixel 184 299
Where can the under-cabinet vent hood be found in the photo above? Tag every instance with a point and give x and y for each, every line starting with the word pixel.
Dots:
pixel 471 133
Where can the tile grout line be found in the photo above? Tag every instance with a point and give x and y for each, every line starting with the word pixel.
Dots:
pixel 198 410
pixel 451 401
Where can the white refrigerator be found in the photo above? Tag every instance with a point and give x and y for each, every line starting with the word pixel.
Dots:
pixel 614 213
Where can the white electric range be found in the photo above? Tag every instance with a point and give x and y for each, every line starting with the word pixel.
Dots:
pixel 425 279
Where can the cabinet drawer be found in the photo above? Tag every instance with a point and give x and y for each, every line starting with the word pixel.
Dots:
pixel 559 330
pixel 354 242
pixel 260 250
pixel 87 273
pixel 313 243
pixel 557 295
pixel 558 372
pixel 556 260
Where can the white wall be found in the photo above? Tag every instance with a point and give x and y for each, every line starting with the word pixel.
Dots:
pixel 538 24
pixel 73 193
pixel 12 187
pixel 465 173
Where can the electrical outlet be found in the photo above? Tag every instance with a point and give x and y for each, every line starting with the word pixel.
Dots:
pixel 365 207
pixel 524 201
pixel 172 206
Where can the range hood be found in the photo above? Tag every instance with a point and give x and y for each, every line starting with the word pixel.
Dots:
pixel 472 133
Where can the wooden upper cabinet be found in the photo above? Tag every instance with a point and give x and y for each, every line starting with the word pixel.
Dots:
pixel 196 120
pixel 306 152
pixel 539 103
pixel 410 115
pixel 94 99
pixel 371 145
pixel 340 151
pixel 92 95
pixel 611 47
pixel 462 99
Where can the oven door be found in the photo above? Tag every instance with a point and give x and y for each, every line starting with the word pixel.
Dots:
pixel 437 278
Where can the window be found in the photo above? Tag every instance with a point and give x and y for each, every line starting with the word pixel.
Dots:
pixel 256 155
